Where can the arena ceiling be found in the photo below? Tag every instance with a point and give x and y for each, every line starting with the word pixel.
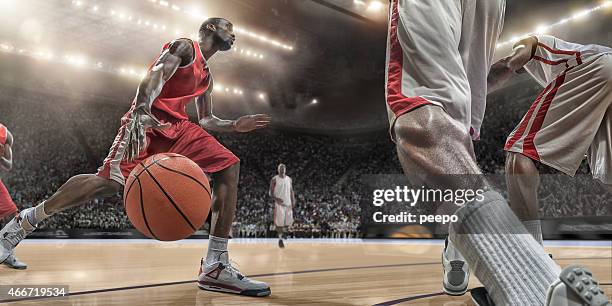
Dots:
pixel 294 51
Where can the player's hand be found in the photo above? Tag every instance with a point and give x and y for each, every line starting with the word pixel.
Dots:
pixel 498 75
pixel 279 201
pixel 142 119
pixel 250 123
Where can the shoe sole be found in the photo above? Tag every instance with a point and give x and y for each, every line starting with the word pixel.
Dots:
pixel 580 281
pixel 254 293
pixel 453 292
pixel 15 267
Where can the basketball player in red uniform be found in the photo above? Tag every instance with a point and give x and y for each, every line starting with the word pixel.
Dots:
pixel 438 56
pixel 8 209
pixel 157 122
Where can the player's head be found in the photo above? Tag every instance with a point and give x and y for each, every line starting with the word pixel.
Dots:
pixel 282 169
pixel 220 30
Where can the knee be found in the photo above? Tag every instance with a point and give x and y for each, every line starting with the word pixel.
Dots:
pixel 101 186
pixel 518 164
pixel 229 176
pixel 428 126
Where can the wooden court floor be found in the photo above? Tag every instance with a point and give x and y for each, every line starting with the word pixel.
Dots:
pixel 307 272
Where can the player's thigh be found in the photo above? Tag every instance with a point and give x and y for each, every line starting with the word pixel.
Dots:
pixel 424 65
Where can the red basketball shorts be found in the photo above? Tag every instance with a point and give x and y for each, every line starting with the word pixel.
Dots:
pixel 183 137
pixel 7 207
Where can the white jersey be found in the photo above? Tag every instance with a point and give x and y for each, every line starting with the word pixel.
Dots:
pixel 553 56
pixel 282 189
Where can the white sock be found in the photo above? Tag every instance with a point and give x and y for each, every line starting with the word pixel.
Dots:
pixel 511 265
pixel 217 246
pixel 534 227
pixel 37 214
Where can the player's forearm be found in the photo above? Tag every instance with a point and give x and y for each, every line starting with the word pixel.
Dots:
pixel 149 89
pixel 6 164
pixel 498 77
pixel 213 123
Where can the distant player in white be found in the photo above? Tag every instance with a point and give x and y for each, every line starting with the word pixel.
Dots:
pixel 439 53
pixel 281 191
pixel 570 118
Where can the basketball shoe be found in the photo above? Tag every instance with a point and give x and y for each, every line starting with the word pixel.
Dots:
pixel 223 277
pixel 456 271
pixel 14 263
pixel 575 287
pixel 12 234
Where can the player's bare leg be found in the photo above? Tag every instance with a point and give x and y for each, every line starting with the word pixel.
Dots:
pixel 280 230
pixel 523 180
pixel 425 137
pixel 78 190
pixel 429 143
pixel 216 272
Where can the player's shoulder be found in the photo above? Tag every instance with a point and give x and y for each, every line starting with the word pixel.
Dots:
pixel 182 47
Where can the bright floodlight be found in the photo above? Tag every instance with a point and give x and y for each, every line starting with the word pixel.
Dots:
pixel 315 101
pixel 261 96
pixel 542 29
pixel 375 6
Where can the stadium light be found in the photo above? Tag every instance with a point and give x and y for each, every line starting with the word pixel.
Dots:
pixel 544 28
pixel 375 6
pixel 124 16
pixel 359 2
pixel 315 101
pixel 261 96
pixel 196 13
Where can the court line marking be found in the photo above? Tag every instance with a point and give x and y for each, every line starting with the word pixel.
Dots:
pixel 104 290
pixel 339 241
pixel 424 296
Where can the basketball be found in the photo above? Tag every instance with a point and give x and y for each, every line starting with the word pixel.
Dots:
pixel 167 197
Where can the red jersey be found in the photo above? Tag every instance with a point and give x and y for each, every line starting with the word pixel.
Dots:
pixel 3 134
pixel 188 82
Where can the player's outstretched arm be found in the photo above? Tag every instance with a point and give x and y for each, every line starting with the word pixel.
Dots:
pixel 243 124
pixel 505 68
pixel 179 52
pixel 6 153
pixel 271 192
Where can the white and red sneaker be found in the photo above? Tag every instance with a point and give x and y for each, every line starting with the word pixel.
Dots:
pixel 223 277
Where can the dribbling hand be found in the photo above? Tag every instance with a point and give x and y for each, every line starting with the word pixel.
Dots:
pixel 141 120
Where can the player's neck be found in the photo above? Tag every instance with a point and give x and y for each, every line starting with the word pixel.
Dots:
pixel 207 47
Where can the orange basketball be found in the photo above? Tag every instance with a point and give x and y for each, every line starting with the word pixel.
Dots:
pixel 167 197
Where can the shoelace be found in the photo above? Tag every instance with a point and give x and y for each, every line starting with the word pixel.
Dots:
pixel 230 267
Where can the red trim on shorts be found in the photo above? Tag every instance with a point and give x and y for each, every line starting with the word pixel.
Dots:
pixel 523 125
pixel 549 62
pixel 578 55
pixel 529 148
pixel 398 103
